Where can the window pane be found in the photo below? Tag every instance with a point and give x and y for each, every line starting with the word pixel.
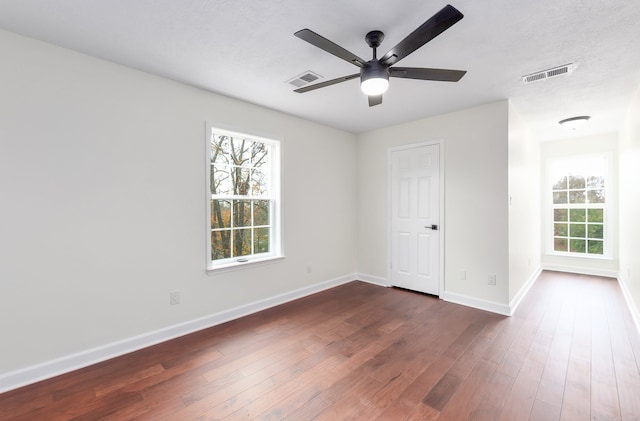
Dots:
pixel 576 182
pixel 241 242
pixel 560 214
pixel 259 182
pixel 559 197
pixel 561 184
pixel 241 213
pixel 577 215
pixel 261 240
pixel 220 150
pixel 240 180
pixel 261 212
pixel 560 244
pixel 595 196
pixel 560 230
pixel 576 196
pixel 596 215
pixel 596 231
pixel 595 182
pixel 220 214
pixel 220 180
pixel 578 230
pixel 578 246
pixel 240 151
pixel 596 247
pixel 220 244
pixel 259 155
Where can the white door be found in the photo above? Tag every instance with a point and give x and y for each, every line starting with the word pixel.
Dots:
pixel 415 218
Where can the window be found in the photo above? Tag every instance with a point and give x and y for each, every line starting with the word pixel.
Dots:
pixel 580 203
pixel 243 205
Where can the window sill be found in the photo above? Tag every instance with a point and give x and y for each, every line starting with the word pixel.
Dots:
pixel 251 263
pixel 579 256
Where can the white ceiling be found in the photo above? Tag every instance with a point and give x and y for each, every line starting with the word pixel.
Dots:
pixel 246 49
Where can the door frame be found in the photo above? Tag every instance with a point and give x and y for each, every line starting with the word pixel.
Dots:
pixel 441 223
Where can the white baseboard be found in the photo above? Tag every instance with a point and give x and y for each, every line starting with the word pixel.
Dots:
pixel 28 375
pixel 513 304
pixel 609 273
pixel 474 302
pixel 461 299
pixel 371 279
pixel 633 308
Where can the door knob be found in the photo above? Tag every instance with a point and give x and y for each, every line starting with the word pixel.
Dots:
pixel 432 227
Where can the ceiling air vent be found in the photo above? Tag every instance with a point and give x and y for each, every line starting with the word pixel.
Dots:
pixel 548 74
pixel 304 79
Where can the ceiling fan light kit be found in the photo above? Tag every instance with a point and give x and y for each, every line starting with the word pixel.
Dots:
pixel 374 79
pixel 374 74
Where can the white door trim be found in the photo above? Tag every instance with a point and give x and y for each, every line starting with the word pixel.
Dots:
pixel 442 226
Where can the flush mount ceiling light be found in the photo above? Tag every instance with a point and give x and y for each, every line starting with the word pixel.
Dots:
pixel 574 123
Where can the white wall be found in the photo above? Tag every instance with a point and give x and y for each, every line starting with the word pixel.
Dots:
pixel 607 143
pixel 630 204
pixel 103 203
pixel 476 211
pixel 524 205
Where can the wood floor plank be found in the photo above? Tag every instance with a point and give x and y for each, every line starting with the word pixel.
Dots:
pixel 226 401
pixel 576 403
pixel 544 411
pixel 439 396
pixel 417 390
pixel 423 412
pixel 604 393
pixel 358 351
pixel 353 402
pixel 625 367
pixel 494 397
pixel 523 392
pixel 469 395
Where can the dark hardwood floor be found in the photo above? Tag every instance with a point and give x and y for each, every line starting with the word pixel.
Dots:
pixel 358 351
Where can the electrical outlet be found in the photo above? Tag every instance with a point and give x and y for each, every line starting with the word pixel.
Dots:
pixel 174 297
pixel 463 275
pixel 492 279
pixel 309 268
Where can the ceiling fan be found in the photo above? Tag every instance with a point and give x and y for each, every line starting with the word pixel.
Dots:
pixel 374 74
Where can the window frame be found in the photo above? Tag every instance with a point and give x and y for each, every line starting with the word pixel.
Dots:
pixel 275 250
pixel 607 206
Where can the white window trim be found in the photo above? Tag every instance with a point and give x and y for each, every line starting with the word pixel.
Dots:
pixel 608 208
pixel 276 253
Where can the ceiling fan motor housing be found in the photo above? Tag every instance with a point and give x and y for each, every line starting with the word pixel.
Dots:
pixel 374 70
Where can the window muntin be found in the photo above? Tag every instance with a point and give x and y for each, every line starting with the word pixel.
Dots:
pixel 243 188
pixel 579 206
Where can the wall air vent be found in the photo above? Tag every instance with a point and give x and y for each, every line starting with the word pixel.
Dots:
pixel 304 79
pixel 548 74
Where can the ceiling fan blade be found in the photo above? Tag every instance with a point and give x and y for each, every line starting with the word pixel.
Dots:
pixel 329 46
pixel 326 83
pixel 433 27
pixel 375 100
pixel 443 75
